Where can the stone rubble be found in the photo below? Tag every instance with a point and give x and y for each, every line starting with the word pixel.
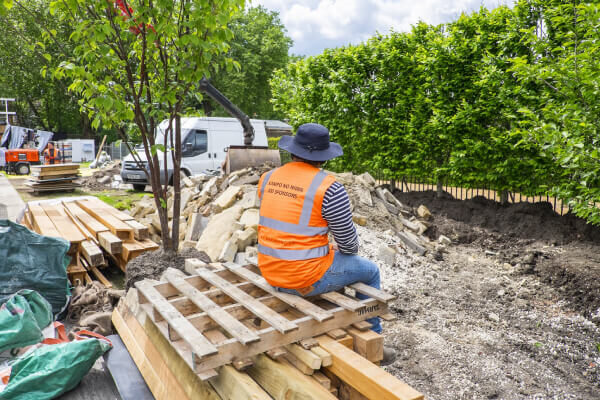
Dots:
pixel 220 215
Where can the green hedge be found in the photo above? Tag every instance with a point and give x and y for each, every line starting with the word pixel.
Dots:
pixel 465 101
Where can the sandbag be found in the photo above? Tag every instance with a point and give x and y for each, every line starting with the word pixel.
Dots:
pixel 32 261
pixel 22 319
pixel 51 370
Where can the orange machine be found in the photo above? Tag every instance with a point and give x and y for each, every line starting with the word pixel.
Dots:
pixel 18 161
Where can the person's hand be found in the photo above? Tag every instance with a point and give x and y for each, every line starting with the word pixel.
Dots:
pixel 335 247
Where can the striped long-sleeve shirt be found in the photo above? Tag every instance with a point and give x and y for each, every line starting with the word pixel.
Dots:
pixel 336 211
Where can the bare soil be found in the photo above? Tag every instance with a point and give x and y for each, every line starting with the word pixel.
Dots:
pixel 510 312
pixel 151 265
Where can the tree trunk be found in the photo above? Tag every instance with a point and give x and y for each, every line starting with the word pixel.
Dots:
pixel 504 197
pixel 176 154
pixel 440 188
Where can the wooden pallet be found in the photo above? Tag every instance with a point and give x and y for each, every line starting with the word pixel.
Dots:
pixel 253 317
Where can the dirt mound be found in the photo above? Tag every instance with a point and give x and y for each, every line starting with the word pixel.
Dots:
pixel 535 221
pixel 152 264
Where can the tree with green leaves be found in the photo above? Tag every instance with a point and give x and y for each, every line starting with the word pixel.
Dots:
pixel 565 122
pixel 25 55
pixel 134 63
pixel 260 45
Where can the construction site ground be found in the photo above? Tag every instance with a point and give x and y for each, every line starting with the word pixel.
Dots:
pixel 508 311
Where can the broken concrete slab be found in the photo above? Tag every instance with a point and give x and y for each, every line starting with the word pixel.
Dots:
pixel 226 199
pixel 250 200
pixel 196 225
pixel 219 229
pixel 250 218
pixel 251 252
pixel 364 196
pixel 229 250
pixel 386 254
pixel 359 219
pixel 423 212
pixel 246 238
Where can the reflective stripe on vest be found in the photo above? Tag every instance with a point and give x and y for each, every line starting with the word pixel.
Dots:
pixel 301 228
pixel 294 255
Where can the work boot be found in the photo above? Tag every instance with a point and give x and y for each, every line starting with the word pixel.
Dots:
pixel 389 355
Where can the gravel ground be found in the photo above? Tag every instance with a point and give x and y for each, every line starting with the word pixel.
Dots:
pixel 474 326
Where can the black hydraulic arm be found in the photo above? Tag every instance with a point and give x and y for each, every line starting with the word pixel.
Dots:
pixel 231 108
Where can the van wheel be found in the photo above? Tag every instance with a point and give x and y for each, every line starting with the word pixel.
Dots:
pixel 139 187
pixel 22 169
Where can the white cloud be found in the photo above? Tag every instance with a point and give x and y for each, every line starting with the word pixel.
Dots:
pixel 318 24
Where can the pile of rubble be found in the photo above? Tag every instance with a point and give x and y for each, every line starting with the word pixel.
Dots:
pixel 220 214
pixel 105 178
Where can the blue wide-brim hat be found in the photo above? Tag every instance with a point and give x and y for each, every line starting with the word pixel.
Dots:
pixel 311 143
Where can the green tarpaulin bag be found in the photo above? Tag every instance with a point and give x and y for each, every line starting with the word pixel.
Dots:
pixel 32 261
pixel 22 319
pixel 51 370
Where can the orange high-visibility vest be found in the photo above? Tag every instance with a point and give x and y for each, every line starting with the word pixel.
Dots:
pixel 293 247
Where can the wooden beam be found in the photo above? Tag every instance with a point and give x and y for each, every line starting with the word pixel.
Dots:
pixel 67 229
pixel 91 253
pixel 234 385
pixel 160 352
pixel 140 231
pixel 110 242
pixel 115 225
pixel 326 359
pixel 364 376
pixel 284 382
pixel 41 222
pixel 306 356
pixel 368 344
pixel 91 224
pixel 298 364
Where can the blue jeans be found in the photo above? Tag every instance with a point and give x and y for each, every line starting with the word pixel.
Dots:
pixel 346 269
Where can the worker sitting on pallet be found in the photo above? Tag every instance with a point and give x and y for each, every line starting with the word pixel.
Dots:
pixel 300 204
pixel 51 154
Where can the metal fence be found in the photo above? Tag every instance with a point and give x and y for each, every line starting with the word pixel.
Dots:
pixel 408 184
pixel 117 150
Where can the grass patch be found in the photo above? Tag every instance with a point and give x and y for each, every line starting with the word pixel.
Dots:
pixel 121 201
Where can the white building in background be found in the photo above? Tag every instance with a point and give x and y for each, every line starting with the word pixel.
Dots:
pixel 82 150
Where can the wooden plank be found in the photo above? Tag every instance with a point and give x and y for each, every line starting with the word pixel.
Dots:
pixel 141 350
pixel 326 359
pixel 131 249
pixel 373 292
pixel 309 343
pixel 55 167
pixel 222 317
pixel 298 364
pixel 231 384
pixel 337 334
pixel 368 344
pixel 110 242
pixel 42 223
pixel 115 225
pixel 140 231
pixel 284 382
pixel 166 360
pixel 342 301
pixel 322 380
pixel 364 376
pixel 411 242
pixel 100 276
pixel 201 347
pixel 388 317
pixel 148 245
pixel 306 356
pixel 260 310
pixel 99 204
pixel 67 229
pixel 347 341
pixel 297 302
pixel 91 224
pixel 362 326
pixel 91 253
pixel 276 353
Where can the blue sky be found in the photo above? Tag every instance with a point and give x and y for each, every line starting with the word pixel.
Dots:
pixel 318 24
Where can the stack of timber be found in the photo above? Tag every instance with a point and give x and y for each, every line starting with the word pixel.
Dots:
pixel 224 333
pixel 51 178
pixel 96 232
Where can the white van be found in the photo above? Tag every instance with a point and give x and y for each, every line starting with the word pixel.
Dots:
pixel 205 142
